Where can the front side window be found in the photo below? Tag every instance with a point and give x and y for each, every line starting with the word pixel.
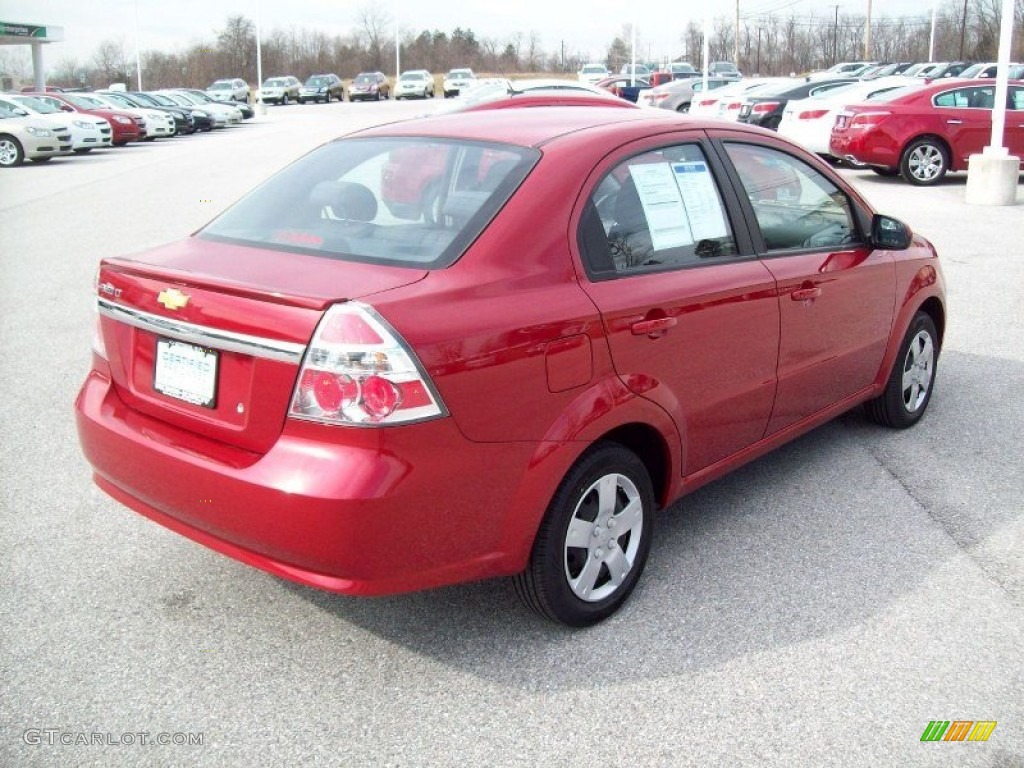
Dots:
pixel 399 201
pixel 655 211
pixel 796 206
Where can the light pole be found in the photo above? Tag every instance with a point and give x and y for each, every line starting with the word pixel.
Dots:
pixel 138 56
pixel 931 39
pixel 867 35
pixel 260 106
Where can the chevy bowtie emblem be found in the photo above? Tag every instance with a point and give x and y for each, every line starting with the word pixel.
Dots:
pixel 172 298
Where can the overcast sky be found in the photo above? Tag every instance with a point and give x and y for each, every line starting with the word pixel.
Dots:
pixel 586 26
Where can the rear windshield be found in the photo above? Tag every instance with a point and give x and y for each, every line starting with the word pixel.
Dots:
pixel 397 201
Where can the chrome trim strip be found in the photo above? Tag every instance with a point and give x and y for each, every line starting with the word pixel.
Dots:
pixel 271 349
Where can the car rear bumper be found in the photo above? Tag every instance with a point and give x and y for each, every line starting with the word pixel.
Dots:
pixel 387 510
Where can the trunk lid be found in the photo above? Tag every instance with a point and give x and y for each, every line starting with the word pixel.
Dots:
pixel 209 336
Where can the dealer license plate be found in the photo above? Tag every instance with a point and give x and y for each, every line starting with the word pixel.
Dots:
pixel 186 372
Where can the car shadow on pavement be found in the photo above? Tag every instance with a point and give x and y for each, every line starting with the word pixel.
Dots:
pixel 809 541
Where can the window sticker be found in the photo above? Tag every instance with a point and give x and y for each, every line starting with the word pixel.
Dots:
pixel 663 205
pixel 700 197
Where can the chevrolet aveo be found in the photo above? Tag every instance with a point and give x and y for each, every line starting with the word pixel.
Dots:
pixel 590 312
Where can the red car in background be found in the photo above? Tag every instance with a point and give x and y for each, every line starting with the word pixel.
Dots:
pixel 124 126
pixel 605 309
pixel 923 133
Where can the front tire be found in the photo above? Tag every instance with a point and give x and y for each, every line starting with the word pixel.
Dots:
pixel 594 540
pixel 11 153
pixel 924 162
pixel 911 381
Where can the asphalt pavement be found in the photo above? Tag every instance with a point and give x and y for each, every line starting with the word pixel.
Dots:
pixel 818 607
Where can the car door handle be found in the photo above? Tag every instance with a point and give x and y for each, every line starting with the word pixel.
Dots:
pixel 805 294
pixel 650 327
pixel 955 122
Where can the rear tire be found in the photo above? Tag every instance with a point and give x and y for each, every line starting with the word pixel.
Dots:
pixel 924 162
pixel 593 541
pixel 912 379
pixel 284 100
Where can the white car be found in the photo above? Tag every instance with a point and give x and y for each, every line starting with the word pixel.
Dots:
pixel 990 69
pixel 458 80
pixel 229 89
pixel 87 131
pixel 809 121
pixel 842 69
pixel 24 137
pixel 724 102
pixel 158 124
pixel 416 83
pixel 223 114
pixel 592 73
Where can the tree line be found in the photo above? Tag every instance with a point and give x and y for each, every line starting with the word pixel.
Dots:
pixel 769 44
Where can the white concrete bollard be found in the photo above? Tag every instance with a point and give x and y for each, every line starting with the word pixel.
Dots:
pixel 992 177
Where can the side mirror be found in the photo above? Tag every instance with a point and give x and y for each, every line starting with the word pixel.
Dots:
pixel 889 234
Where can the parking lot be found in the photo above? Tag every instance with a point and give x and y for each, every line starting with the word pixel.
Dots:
pixel 818 607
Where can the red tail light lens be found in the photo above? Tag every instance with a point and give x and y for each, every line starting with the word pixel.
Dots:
pixel 359 372
pixel 812 114
pixel 765 107
pixel 866 119
pixel 707 102
pixel 733 105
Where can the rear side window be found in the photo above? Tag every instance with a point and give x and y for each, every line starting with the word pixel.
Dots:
pixel 398 201
pixel 656 211
pixel 1017 98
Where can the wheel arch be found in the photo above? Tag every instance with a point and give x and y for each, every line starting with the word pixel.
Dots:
pixel 934 137
pixel 649 445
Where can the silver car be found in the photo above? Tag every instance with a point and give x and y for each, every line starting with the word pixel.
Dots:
pixel 229 89
pixel 28 137
pixel 280 90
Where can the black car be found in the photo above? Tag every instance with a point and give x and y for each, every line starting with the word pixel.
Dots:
pixel 202 120
pixel 246 109
pixel 764 107
pixel 184 123
pixel 322 88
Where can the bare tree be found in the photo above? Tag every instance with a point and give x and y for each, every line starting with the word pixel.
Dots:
pixel 374 22
pixel 112 63
pixel 237 47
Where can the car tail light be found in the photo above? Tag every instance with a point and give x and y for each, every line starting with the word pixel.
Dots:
pixel 359 372
pixel 867 119
pixel 707 102
pixel 658 96
pixel 733 105
pixel 764 107
pixel 812 114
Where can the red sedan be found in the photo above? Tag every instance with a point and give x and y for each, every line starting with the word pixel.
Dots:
pixel 922 133
pixel 124 126
pixel 600 310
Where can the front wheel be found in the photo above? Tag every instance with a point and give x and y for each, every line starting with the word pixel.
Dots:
pixel 594 540
pixel 11 153
pixel 909 389
pixel 924 162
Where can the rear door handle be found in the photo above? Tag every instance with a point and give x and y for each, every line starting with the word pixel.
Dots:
pixel 955 122
pixel 650 327
pixel 805 294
